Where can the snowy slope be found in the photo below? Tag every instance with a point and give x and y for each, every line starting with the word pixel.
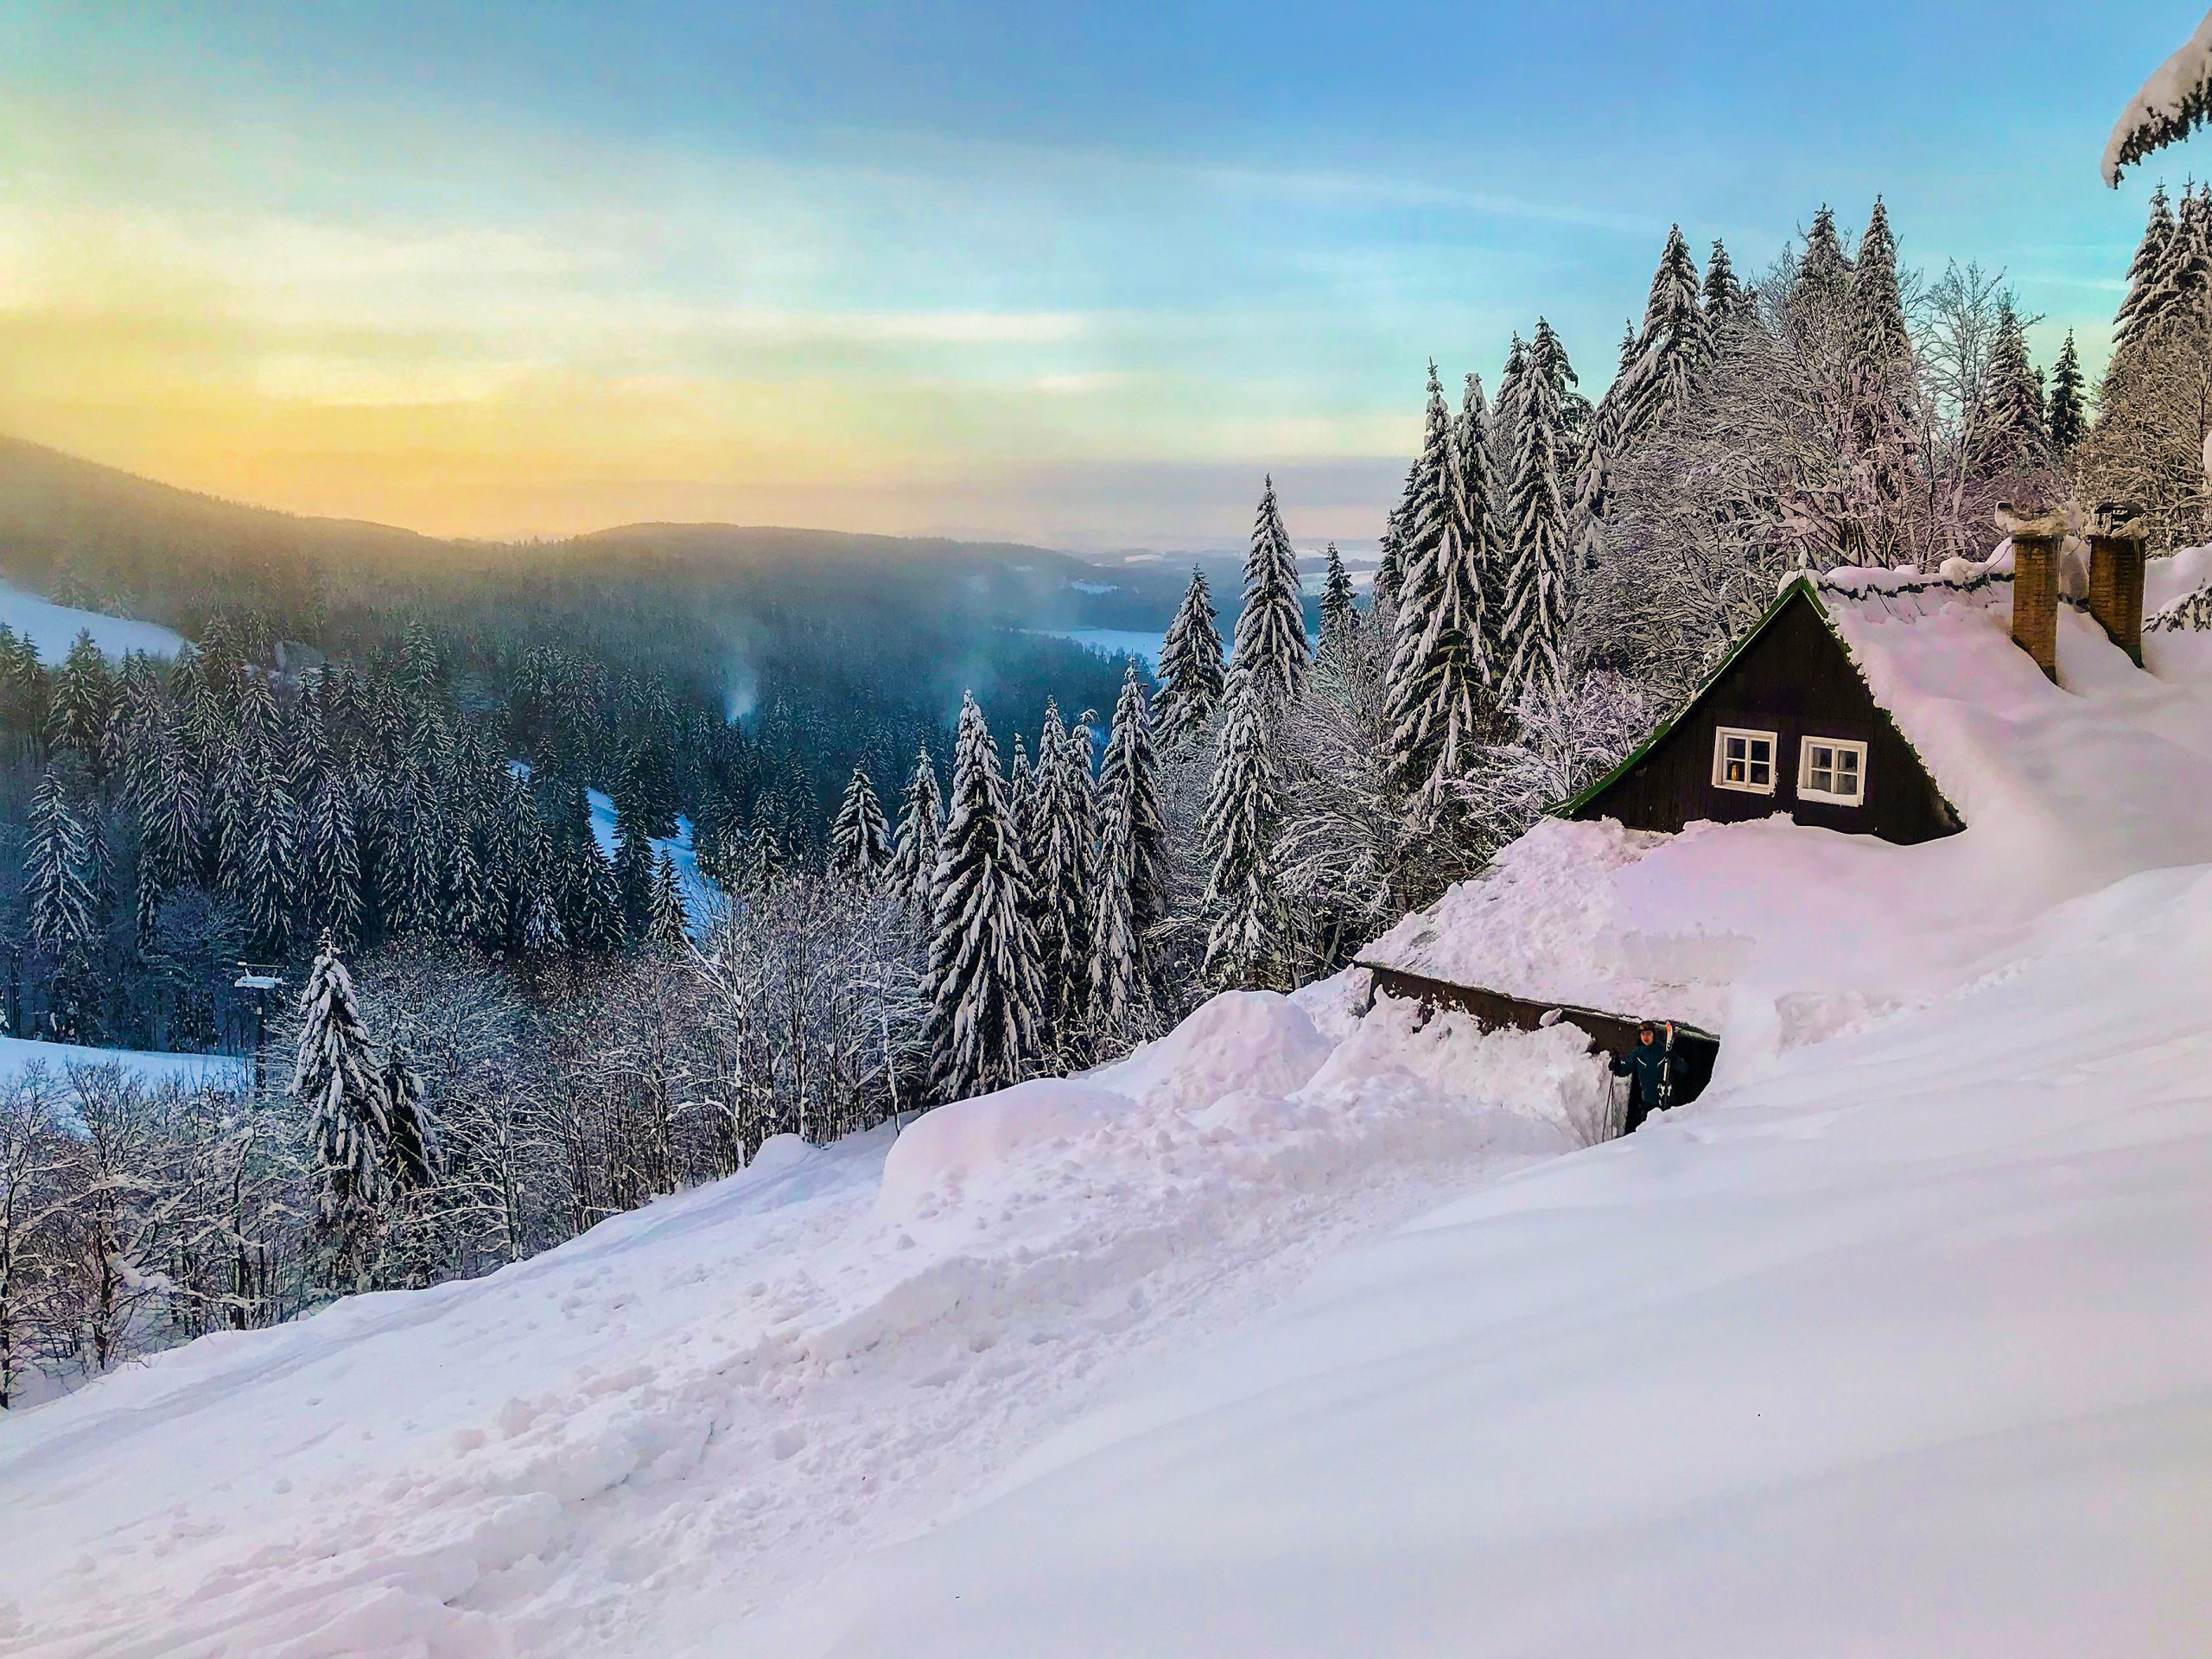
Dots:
pixel 53 628
pixel 700 895
pixel 706 1407
pixel 1907 1351
pixel 20 1055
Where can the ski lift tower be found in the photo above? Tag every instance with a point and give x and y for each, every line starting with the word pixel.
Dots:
pixel 260 978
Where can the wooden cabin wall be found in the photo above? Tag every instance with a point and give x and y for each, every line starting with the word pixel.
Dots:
pixel 1796 680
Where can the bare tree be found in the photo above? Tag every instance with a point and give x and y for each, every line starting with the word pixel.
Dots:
pixel 32 1150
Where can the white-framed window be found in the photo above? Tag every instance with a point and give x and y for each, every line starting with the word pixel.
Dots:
pixel 1743 759
pixel 1832 769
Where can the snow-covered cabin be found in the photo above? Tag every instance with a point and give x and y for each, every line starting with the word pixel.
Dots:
pixel 1884 779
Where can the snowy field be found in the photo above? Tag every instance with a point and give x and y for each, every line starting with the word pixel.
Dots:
pixel 20 1055
pixel 1906 1350
pixel 633 1443
pixel 53 628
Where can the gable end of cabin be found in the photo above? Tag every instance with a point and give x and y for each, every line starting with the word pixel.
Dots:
pixel 1785 724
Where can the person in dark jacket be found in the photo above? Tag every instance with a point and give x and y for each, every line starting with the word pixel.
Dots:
pixel 1645 1068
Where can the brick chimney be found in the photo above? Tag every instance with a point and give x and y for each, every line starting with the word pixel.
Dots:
pixel 2116 588
pixel 2035 598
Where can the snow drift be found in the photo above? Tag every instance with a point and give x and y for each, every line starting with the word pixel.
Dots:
pixel 1908 1351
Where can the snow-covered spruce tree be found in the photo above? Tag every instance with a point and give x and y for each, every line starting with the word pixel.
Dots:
pixel 1066 837
pixel 84 692
pixel 332 863
pixel 338 1076
pixel 1505 413
pixel 269 878
pixel 1022 806
pixel 56 893
pixel 1881 390
pixel 591 901
pixel 526 862
pixel 634 870
pixel 230 808
pixel 2065 414
pixel 1722 297
pixel 860 839
pixel 1131 885
pixel 1191 675
pixel 1438 672
pixel 1477 499
pixel 2149 292
pixel 987 1004
pixel 1339 611
pixel 921 822
pixel 1391 561
pixel 2187 277
pixel 1537 576
pixel 1271 628
pixel 1880 337
pixel 1669 348
pixel 469 915
pixel 1824 272
pixel 420 861
pixel 1602 450
pixel 541 932
pixel 1241 906
pixel 665 917
pixel 2008 434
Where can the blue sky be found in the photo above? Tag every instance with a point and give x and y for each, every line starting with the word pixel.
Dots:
pixel 1078 275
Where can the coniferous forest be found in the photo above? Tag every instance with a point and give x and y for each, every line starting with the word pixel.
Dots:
pixel 352 829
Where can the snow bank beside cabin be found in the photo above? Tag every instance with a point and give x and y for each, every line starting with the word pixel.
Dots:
pixel 1776 935
pixel 1906 1351
pixel 633 1443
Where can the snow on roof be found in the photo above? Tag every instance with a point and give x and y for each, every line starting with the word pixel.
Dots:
pixel 1774 933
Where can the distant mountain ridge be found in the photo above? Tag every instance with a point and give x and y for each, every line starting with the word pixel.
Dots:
pixel 84 533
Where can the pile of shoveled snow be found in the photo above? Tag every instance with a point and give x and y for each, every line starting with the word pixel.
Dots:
pixel 697 1411
pixel 1906 1351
